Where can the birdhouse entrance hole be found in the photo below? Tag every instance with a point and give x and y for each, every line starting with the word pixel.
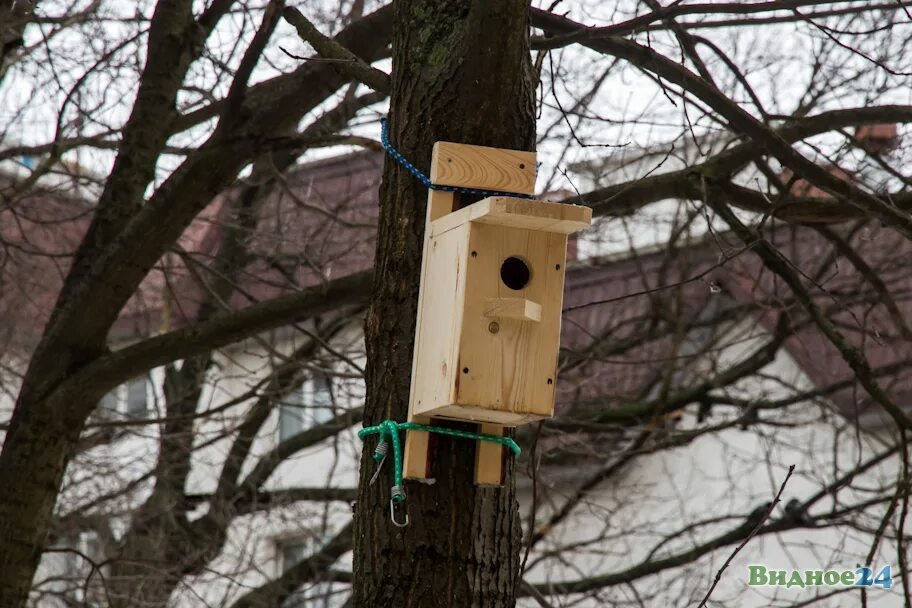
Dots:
pixel 515 273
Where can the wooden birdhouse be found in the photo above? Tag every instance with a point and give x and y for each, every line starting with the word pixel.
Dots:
pixel 489 311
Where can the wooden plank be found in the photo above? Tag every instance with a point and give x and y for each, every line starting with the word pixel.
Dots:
pixel 439 204
pixel 468 166
pixel 415 458
pixel 473 413
pixel 436 365
pixel 520 309
pixel 415 464
pixel 535 215
pixel 518 213
pixel 489 467
pixel 513 369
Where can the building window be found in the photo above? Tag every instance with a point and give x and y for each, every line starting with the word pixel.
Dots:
pixel 110 402
pixel 76 571
pixel 129 400
pixel 310 595
pixel 137 399
pixel 307 406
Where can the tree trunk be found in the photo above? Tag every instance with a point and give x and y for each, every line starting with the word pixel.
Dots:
pixel 30 474
pixel 461 72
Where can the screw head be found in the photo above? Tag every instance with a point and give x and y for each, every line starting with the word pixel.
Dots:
pixel 493 327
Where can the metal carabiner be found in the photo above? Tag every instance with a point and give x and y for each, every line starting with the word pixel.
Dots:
pixel 393 516
pixel 397 495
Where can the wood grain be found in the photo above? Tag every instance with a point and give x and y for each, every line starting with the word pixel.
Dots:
pixel 440 321
pixel 512 371
pixel 464 369
pixel 440 203
pixel 519 309
pixel 415 463
pixel 519 213
pixel 489 467
pixel 415 458
pixel 468 166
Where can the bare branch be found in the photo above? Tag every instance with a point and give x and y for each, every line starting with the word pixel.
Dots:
pixel 346 61
pixel 753 533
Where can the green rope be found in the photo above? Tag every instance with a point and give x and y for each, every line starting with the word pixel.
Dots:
pixel 390 430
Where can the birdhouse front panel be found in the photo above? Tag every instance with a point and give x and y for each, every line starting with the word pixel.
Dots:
pixel 490 311
pixel 511 326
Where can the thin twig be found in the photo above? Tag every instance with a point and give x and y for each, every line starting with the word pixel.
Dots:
pixel 749 536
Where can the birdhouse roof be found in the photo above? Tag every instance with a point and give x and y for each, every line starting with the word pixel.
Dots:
pixel 518 213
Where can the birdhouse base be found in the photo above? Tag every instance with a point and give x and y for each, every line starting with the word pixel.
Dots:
pixel 481 415
pixel 489 457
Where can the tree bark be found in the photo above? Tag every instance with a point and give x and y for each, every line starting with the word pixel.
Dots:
pixel 461 72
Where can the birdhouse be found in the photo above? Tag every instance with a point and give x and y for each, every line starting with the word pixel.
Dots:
pixel 489 311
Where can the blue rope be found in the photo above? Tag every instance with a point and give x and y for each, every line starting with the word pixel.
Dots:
pixel 424 179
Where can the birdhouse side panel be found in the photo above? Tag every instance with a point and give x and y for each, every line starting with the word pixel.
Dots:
pixel 511 326
pixel 440 314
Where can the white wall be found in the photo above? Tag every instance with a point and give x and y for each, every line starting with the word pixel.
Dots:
pixel 728 472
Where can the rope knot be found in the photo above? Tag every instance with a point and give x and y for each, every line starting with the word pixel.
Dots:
pixel 388 430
